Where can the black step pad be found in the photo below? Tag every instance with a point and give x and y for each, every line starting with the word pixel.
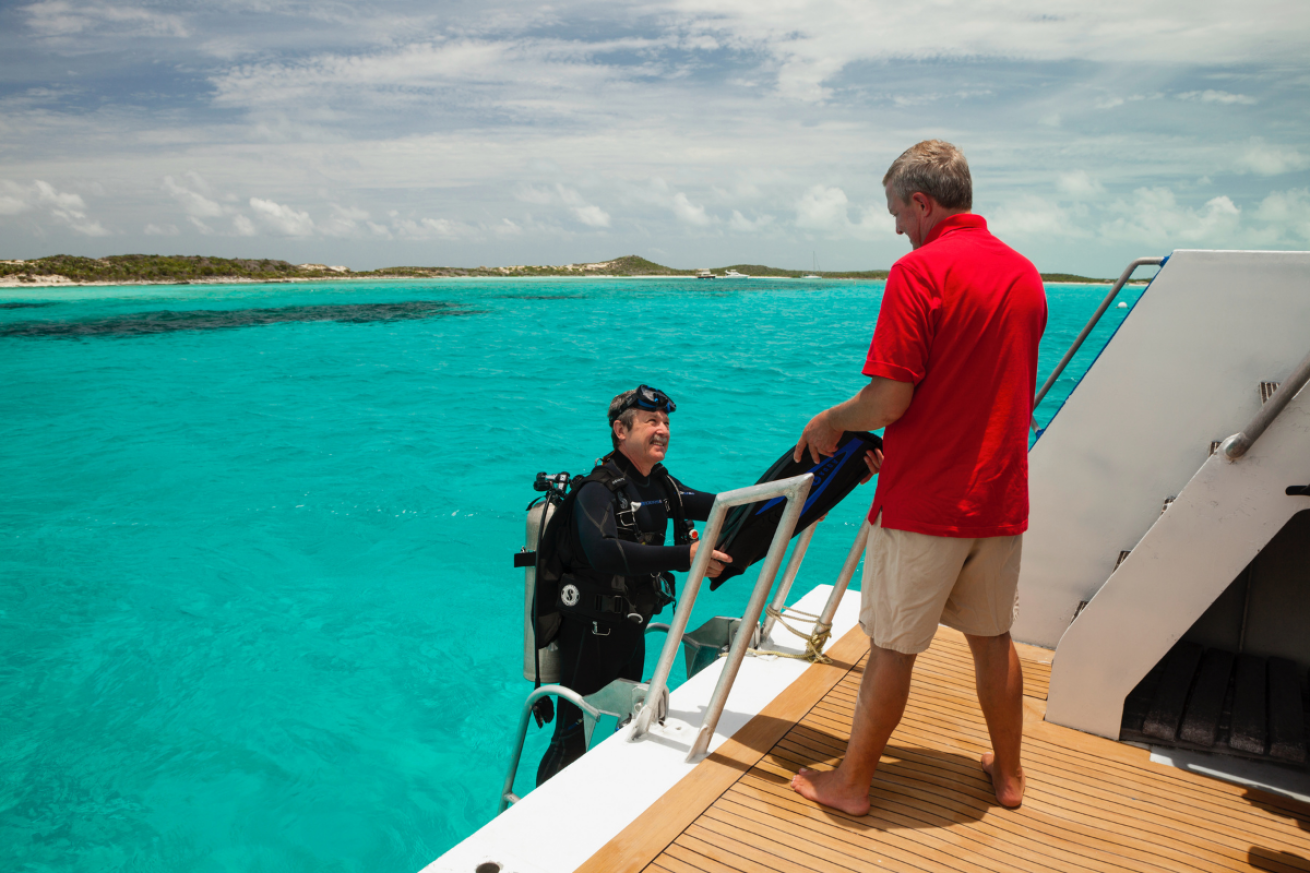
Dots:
pixel 1206 704
pixel 1248 734
pixel 1166 712
pixel 1286 712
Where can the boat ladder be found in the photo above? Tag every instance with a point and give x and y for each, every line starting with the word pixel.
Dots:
pixel 647 704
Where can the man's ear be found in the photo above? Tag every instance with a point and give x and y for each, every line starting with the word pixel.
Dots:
pixel 620 432
pixel 922 202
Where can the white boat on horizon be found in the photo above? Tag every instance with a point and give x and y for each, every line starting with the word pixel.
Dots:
pixel 1163 642
pixel 733 274
pixel 705 274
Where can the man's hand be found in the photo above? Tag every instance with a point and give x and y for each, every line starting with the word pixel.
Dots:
pixel 872 460
pixel 718 560
pixel 819 438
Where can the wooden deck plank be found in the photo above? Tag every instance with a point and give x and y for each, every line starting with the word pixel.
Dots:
pixel 638 843
pixel 1093 805
pixel 1083 784
pixel 935 725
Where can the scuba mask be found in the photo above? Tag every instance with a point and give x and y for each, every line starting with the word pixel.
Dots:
pixel 650 399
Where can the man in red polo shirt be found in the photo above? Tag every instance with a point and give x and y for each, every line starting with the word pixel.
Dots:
pixel 953 367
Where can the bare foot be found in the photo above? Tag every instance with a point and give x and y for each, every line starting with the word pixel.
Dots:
pixel 1009 790
pixel 827 788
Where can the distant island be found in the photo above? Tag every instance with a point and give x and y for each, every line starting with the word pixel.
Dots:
pixel 188 269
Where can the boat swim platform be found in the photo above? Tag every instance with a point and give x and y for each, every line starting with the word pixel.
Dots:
pixel 1091 804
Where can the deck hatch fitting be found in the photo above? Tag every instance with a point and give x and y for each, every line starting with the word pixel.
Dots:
pixel 1267 390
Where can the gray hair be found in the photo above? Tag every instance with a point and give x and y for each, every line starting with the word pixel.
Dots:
pixel 625 418
pixel 935 168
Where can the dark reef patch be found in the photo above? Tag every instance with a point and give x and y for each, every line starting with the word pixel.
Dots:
pixel 169 321
pixel 24 305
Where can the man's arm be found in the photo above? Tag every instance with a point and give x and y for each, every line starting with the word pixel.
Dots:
pixel 878 404
pixel 697 504
pixel 593 518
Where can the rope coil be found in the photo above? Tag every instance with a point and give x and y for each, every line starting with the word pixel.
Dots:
pixel 814 641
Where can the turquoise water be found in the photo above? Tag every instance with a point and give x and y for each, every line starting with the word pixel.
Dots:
pixel 257 610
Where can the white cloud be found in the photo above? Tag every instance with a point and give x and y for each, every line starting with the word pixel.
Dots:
pixel 1218 97
pixel 12 205
pixel 161 230
pixel 58 18
pixel 283 219
pixel 1289 210
pixel 689 212
pixel 243 226
pixel 1029 216
pixel 1079 185
pixel 64 207
pixel 1154 216
pixel 537 196
pixel 200 225
pixel 1270 160
pixel 196 204
pixel 587 213
pixel 592 216
pixel 828 211
pixel 822 208
pixel 344 221
pixel 742 224
pixel 431 228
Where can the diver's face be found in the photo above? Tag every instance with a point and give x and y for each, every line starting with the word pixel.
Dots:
pixel 647 441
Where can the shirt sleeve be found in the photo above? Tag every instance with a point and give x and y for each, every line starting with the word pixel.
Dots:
pixel 902 339
pixel 593 519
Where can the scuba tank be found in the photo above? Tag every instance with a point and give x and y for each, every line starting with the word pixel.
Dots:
pixel 540 665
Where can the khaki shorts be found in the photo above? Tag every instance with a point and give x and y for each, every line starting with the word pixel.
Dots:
pixel 913 581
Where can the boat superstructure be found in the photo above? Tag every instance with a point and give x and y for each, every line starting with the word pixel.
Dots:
pixel 1165 592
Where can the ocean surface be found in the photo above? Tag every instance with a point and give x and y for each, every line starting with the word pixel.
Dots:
pixel 257 608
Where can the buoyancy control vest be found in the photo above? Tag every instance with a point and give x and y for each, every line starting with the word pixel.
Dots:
pixel 565 585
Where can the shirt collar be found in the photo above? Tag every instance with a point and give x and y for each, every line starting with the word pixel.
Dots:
pixel 964 220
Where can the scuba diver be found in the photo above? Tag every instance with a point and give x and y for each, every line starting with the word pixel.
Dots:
pixel 612 562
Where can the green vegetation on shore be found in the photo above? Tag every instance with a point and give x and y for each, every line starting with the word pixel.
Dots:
pixel 182 269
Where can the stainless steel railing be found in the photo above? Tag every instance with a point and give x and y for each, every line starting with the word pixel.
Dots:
pixel 654 704
pixel 1239 443
pixel 1091 323
pixel 616 699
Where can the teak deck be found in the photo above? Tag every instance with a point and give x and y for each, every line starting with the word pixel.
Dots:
pixel 1091 804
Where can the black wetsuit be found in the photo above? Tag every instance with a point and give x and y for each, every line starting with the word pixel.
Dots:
pixel 592 656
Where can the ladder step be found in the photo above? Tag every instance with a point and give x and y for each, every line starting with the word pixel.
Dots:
pixel 1248 732
pixel 1166 712
pixel 1286 712
pixel 1206 704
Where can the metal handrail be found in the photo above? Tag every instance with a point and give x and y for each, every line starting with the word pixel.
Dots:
pixel 1239 443
pixel 1077 344
pixel 794 490
pixel 619 699
pixel 788 577
pixel 823 626
pixel 507 791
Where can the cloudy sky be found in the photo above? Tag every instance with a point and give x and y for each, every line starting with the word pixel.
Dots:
pixel 693 132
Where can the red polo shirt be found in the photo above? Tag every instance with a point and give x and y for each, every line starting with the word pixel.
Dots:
pixel 961 318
